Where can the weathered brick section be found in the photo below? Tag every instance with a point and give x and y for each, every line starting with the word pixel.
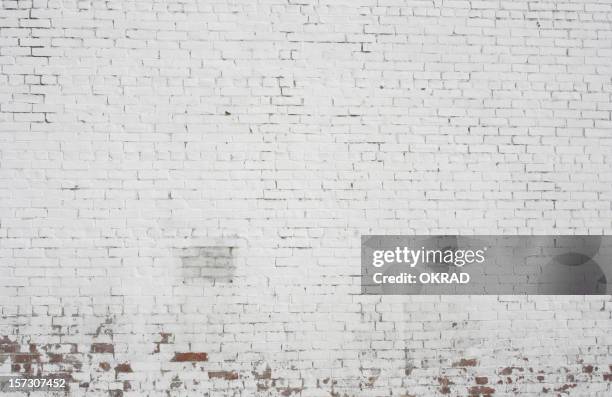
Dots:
pixel 183 185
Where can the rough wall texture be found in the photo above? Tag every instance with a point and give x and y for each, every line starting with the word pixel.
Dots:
pixel 183 185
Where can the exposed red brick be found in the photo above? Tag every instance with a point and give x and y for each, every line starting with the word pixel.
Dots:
pixel 25 358
pixel 607 377
pixel 104 366
pixel 540 378
pixel 102 348
pixel 125 367
pixel 165 339
pixel 189 356
pixel 482 380
pixel 466 362
pixel 483 391
pixel 227 375
pixel 587 369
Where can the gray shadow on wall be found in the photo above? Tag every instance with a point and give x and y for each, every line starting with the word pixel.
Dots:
pixel 574 267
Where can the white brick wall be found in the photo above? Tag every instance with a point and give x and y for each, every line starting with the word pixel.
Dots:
pixel 183 185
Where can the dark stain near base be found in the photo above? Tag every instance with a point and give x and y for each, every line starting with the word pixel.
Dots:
pixel 264 379
pixel 369 382
pixel 104 328
pixel 31 359
pixel 266 374
pixel 227 375
pixel 7 348
pixel 286 392
pixel 67 377
pixel 189 357
pixel 565 388
pixel 444 385
pixel 55 358
pixel 165 337
pixel 466 362
pixel 176 382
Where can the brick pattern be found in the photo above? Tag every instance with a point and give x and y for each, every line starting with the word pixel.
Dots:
pixel 183 185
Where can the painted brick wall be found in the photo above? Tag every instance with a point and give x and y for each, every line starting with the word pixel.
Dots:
pixel 183 185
